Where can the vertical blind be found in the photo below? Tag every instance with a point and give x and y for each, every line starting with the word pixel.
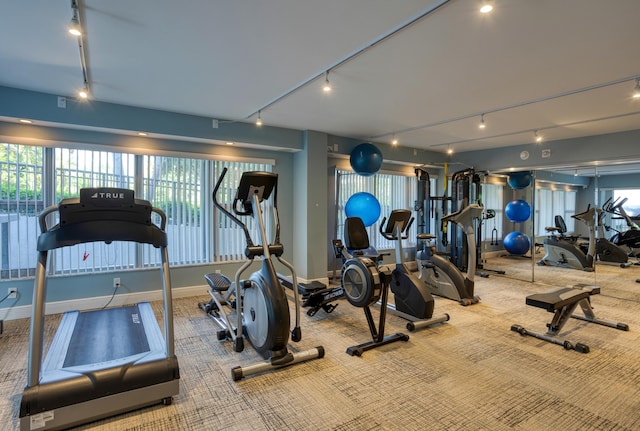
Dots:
pixel 181 187
pixel 391 191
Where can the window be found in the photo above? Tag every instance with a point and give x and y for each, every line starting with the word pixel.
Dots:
pixel 21 200
pixel 550 203
pixel 75 169
pixel 392 191
pixel 181 187
pixel 492 195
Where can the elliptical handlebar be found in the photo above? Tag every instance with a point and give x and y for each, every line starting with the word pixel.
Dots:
pixel 619 205
pixel 615 206
pixel 235 219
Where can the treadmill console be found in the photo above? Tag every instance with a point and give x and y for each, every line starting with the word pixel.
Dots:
pixel 105 204
pixel 106 197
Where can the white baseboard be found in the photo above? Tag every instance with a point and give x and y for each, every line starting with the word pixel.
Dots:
pixel 24 311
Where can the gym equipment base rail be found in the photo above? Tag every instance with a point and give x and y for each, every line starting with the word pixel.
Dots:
pixel 220 284
pixel 377 334
pixel 562 302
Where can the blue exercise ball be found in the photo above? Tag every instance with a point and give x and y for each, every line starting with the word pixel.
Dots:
pixel 516 243
pixel 366 159
pixel 519 180
pixel 517 211
pixel 363 205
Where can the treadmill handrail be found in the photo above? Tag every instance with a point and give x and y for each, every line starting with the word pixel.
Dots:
pixel 99 228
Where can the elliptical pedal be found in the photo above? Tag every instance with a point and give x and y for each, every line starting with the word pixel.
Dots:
pixel 218 282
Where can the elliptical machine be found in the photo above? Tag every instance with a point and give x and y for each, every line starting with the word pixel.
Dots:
pixel 607 251
pixel 439 274
pixel 629 238
pixel 260 302
pixel 565 253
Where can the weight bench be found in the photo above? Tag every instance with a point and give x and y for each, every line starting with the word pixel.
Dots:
pixel 562 302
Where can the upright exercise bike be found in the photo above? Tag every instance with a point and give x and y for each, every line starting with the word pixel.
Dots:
pixel 441 276
pixel 412 300
pixel 260 302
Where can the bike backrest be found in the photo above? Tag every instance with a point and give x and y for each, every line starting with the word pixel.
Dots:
pixel 355 234
pixel 560 224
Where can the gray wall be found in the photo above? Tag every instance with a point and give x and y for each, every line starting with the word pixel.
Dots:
pixel 304 160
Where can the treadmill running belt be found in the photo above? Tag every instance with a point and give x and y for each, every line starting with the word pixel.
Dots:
pixel 105 335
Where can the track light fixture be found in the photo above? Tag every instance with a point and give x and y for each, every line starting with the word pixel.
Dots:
pixel 482 125
pixel 259 120
pixel 327 85
pixel 75 28
pixel 636 90
pixel 486 8
pixel 537 137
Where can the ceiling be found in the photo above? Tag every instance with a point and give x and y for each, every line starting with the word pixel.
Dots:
pixel 422 71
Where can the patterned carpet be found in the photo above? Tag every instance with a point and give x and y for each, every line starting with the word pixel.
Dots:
pixel 471 373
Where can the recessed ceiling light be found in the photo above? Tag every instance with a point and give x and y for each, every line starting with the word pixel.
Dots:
pixel 25 121
pixel 143 134
pixel 229 143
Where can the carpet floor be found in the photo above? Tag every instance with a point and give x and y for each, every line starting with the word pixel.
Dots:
pixel 470 373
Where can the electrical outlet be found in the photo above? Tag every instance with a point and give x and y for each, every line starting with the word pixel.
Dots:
pixel 116 282
pixel 12 292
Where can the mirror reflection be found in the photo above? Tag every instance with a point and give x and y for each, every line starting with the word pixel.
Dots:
pixel 507 226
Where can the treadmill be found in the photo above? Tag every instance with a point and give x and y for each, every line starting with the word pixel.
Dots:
pixel 101 362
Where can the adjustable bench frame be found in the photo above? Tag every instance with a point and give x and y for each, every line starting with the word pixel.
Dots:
pixel 562 302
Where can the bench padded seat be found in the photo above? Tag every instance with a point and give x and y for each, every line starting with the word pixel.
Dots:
pixel 556 299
